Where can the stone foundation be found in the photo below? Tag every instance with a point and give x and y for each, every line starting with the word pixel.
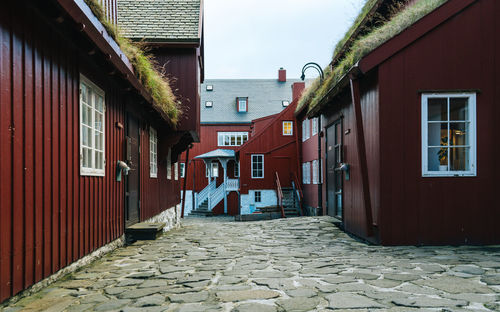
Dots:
pixel 171 217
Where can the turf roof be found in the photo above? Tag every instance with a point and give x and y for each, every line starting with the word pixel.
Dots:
pixel 349 52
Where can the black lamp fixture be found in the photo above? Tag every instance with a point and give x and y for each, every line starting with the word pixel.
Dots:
pixel 315 66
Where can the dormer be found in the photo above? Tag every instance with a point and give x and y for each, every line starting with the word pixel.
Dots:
pixel 242 104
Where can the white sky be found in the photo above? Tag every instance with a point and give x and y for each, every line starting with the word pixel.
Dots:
pixel 254 38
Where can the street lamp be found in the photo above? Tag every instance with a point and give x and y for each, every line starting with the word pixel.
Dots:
pixel 315 66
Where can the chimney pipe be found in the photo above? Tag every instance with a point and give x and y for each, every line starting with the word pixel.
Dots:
pixel 282 75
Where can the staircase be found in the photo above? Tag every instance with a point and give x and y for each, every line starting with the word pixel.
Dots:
pixel 290 204
pixel 202 210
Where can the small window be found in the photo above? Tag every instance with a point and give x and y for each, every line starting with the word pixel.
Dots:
pixel 210 87
pixel 449 134
pixel 209 104
pixel 257 196
pixel 182 169
pixel 169 164
pixel 314 127
pixel 242 104
pixel 305 129
pixel 176 171
pixel 92 146
pixel 285 103
pixel 315 172
pixel 153 153
pixel 257 166
pixel 287 128
pixel 306 173
pixel 236 169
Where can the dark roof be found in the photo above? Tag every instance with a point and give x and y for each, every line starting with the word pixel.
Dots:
pixel 160 20
pixel 265 98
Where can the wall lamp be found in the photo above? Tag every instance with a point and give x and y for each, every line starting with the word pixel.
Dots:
pixel 315 66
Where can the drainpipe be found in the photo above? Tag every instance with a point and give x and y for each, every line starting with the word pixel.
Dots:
pixel 186 163
pixel 320 173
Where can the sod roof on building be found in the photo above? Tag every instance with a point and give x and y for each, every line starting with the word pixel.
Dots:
pixel 160 20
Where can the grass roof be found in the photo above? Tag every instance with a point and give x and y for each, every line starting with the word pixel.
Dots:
pixel 154 81
pixel 402 17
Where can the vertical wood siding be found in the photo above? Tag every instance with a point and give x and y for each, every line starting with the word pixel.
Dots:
pixel 50 216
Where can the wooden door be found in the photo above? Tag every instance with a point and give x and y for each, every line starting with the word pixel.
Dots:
pixel 132 180
pixel 334 179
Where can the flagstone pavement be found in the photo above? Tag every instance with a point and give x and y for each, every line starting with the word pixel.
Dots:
pixel 295 264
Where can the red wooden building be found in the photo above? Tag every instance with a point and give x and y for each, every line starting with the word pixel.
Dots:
pixel 232 112
pixel 410 140
pixel 71 108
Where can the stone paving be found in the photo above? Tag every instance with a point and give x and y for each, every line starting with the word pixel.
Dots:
pixel 296 264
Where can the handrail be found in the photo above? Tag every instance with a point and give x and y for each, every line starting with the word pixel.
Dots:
pixel 279 191
pixel 216 196
pixel 299 189
pixel 203 195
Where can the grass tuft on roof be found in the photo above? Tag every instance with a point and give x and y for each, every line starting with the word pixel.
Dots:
pixel 403 17
pixel 154 81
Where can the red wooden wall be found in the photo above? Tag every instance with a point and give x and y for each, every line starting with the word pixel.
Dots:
pixel 50 216
pixel 461 53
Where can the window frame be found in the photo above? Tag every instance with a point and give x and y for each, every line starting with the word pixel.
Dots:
pixel 176 171
pixel 209 104
pixel 236 169
pixel 306 173
pixel 315 172
pixel 222 135
pixel 252 164
pixel 239 101
pixel 92 171
pixel 291 128
pixel 259 196
pixel 314 126
pixel 182 170
pixel 209 87
pixel 472 134
pixel 214 166
pixel 169 164
pixel 306 126
pixel 153 155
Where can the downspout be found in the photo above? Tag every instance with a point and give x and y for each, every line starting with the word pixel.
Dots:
pixel 320 173
pixel 363 164
pixel 186 163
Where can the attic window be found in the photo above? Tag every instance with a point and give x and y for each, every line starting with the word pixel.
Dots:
pixel 285 103
pixel 242 104
pixel 210 87
pixel 209 104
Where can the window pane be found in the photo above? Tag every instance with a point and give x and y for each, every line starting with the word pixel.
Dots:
pixel 98 122
pixel 459 109
pixel 220 139
pixel 85 115
pixel 233 140
pixel 227 140
pixel 459 133
pixel 98 160
pixel 437 134
pixel 89 96
pixel 90 163
pixel 84 93
pixel 245 138
pixel 85 158
pixel 238 140
pixel 99 103
pixel 438 109
pixel 98 141
pixel 437 159
pixel 459 159
pixel 85 136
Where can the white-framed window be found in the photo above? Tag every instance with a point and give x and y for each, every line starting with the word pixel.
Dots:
pixel 305 129
pixel 92 139
pixel 306 173
pixel 242 104
pixel 257 196
pixel 257 163
pixel 285 103
pixel 209 103
pixel 215 169
pixel 169 164
pixel 236 169
pixel 182 169
pixel 176 171
pixel 315 172
pixel 231 138
pixel 287 127
pixel 314 126
pixel 210 87
pixel 153 153
pixel 448 134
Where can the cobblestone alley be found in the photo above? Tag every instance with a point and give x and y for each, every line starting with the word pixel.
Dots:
pixel 296 264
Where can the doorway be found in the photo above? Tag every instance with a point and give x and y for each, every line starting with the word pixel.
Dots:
pixel 334 179
pixel 132 180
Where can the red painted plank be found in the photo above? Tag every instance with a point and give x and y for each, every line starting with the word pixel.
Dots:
pixel 63 162
pixel 28 152
pixel 17 157
pixel 55 130
pixel 5 156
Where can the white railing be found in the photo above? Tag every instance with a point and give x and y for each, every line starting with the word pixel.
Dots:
pixel 232 185
pixel 216 197
pixel 203 195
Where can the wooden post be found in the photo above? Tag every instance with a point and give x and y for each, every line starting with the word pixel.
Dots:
pixel 360 144
pixel 224 166
pixel 186 162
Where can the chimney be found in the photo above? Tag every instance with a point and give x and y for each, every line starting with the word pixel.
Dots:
pixel 282 75
pixel 297 89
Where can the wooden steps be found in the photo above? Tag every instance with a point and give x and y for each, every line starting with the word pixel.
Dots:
pixel 143 231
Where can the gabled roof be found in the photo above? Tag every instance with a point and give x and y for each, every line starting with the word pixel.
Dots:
pixel 218 153
pixel 160 20
pixel 265 98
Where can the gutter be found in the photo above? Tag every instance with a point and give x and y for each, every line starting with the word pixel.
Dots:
pixel 88 23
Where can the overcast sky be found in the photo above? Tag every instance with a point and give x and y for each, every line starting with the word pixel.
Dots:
pixel 253 38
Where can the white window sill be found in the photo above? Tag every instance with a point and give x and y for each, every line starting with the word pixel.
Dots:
pixel 92 173
pixel 438 174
